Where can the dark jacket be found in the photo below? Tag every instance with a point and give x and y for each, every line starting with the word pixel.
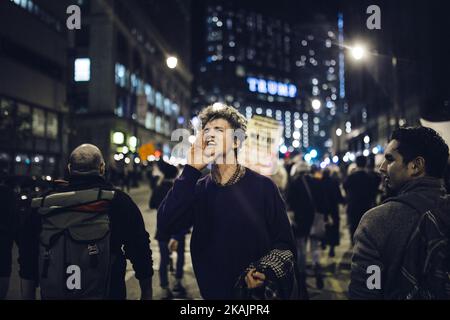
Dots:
pixel 8 217
pixel 159 193
pixel 361 188
pixel 381 238
pixel 127 231
pixel 333 193
pixel 303 206
pixel 233 226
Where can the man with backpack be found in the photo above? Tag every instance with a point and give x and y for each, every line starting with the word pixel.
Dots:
pixel 76 239
pixel 401 247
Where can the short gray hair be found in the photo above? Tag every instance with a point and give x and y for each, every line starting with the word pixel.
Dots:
pixel 86 159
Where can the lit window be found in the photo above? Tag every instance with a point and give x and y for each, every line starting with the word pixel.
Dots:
pixel 120 75
pixel 150 121
pixel 315 91
pixel 82 69
pixel 158 126
pixel 175 109
pixel 150 94
pixel 167 106
pixel 159 101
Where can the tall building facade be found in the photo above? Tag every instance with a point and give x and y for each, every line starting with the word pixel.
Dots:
pixel 122 92
pixel 107 83
pixel 33 105
pixel 260 64
pixel 246 62
pixel 319 72
pixel 401 79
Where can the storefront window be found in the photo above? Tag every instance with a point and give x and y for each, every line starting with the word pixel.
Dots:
pixel 6 116
pixel 39 122
pixel 52 125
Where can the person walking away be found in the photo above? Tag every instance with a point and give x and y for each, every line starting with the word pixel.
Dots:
pixel 75 241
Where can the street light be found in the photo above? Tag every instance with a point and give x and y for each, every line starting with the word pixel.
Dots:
pixel 358 52
pixel 172 62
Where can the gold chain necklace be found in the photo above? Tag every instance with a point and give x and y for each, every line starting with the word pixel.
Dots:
pixel 237 175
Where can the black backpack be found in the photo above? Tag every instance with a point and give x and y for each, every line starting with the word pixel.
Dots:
pixel 425 270
pixel 74 244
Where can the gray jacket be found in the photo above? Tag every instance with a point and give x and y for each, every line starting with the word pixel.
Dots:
pixel 381 240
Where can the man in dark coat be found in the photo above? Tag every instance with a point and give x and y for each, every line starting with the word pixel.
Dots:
pixel 413 167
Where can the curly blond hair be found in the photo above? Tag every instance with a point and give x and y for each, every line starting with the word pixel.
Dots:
pixel 222 111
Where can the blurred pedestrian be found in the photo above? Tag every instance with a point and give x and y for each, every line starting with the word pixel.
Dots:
pixel 360 188
pixel 280 178
pixel 8 221
pixel 306 198
pixel 333 193
pixel 176 242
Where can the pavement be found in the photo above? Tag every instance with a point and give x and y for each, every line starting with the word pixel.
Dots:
pixel 336 270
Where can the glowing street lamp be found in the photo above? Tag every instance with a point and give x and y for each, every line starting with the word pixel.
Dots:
pixel 172 62
pixel 358 52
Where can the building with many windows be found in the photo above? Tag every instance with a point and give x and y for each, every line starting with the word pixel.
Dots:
pixel 265 65
pixel 123 93
pixel 319 71
pixel 33 106
pixel 107 83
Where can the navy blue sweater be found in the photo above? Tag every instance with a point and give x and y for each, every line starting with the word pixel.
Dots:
pixel 232 226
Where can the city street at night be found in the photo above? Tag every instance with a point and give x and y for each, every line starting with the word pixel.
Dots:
pixel 287 150
pixel 337 270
